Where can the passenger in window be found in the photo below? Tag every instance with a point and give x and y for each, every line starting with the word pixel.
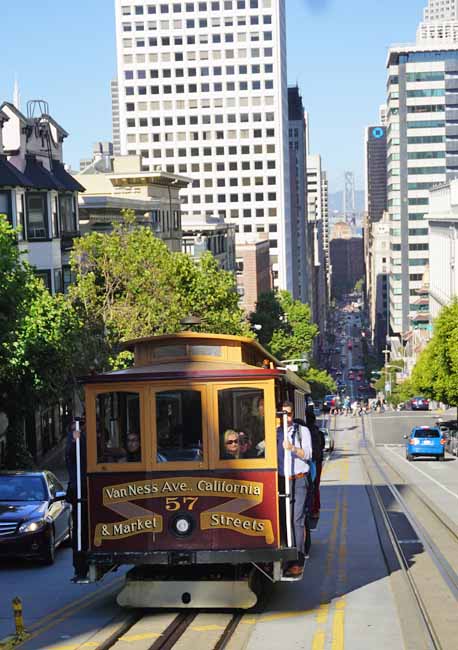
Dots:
pixel 231 445
pixel 133 449
pixel 246 449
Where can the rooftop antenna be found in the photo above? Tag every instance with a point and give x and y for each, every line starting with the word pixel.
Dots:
pixel 36 108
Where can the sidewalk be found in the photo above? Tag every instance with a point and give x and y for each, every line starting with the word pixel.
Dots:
pixel 345 598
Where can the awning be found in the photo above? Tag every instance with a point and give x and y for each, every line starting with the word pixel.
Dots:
pixel 66 179
pixel 12 177
pixel 41 178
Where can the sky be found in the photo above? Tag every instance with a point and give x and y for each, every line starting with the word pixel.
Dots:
pixel 64 51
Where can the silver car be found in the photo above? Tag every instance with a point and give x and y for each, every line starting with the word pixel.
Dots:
pixel 452 441
pixel 328 439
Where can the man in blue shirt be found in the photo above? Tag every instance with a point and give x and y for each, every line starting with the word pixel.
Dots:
pixel 298 445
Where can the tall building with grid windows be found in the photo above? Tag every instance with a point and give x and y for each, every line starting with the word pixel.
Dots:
pixel 202 91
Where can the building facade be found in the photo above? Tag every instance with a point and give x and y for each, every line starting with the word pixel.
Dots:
pixel 254 274
pixel 377 274
pixel 37 194
pixel 443 242
pixel 376 233
pixel 202 92
pixel 114 184
pixel 317 224
pixel 347 261
pixel 297 129
pixel 422 152
pixel 209 234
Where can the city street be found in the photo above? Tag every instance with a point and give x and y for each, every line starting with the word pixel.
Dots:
pixel 350 593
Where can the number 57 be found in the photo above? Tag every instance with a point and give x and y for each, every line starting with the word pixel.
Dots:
pixel 175 503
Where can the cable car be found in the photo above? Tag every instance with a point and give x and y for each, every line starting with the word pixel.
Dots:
pixel 182 471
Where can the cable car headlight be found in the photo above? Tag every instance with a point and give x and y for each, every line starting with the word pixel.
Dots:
pixel 182 525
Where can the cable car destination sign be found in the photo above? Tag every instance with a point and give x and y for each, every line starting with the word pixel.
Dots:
pixel 183 492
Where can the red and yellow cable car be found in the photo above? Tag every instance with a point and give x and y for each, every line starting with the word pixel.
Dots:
pixel 182 470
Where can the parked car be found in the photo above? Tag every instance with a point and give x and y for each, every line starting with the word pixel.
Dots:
pixel 425 441
pixel 35 518
pixel 328 439
pixel 452 442
pixel 351 375
pixel 419 404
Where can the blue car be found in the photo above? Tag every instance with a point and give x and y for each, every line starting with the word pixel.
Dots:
pixel 425 441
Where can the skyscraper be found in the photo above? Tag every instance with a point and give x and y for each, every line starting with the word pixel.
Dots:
pixel 297 129
pixel 422 152
pixel 376 186
pixel 202 92
pixel 440 22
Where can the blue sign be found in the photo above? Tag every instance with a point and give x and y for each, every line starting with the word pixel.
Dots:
pixel 378 132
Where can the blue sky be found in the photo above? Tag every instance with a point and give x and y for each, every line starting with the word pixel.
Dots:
pixel 63 51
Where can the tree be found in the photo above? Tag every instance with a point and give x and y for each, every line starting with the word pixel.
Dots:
pixel 269 315
pixel 359 285
pixel 129 285
pixel 38 341
pixel 287 328
pixel 436 373
pixel 320 382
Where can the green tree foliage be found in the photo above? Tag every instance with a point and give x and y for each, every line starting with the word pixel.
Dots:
pixel 129 285
pixel 287 328
pixel 38 341
pixel 287 332
pixel 436 373
pixel 320 382
pixel 359 285
pixel 269 315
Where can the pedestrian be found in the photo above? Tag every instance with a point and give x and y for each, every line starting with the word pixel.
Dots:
pixel 74 433
pixel 318 444
pixel 298 443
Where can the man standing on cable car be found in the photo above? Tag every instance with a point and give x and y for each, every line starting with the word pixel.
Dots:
pixel 299 443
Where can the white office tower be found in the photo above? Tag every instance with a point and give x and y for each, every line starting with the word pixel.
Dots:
pixel 203 92
pixel 440 22
pixel 422 151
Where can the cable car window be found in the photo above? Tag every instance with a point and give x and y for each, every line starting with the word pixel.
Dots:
pixel 179 426
pixel 241 423
pixel 118 427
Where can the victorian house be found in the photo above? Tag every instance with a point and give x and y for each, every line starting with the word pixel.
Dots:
pixel 37 194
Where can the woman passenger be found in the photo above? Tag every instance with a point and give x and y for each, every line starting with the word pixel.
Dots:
pixel 231 444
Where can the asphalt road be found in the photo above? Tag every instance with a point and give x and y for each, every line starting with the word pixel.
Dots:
pixel 390 427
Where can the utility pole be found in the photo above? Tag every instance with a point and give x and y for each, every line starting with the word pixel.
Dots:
pixel 386 352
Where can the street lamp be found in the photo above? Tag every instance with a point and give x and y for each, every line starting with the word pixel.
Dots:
pixel 292 364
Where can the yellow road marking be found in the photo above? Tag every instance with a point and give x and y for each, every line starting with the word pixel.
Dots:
pixel 82 599
pixel 249 621
pixel 83 602
pixel 338 630
pixel 140 637
pixel 318 640
pixel 322 614
pixel 281 615
pixel 206 628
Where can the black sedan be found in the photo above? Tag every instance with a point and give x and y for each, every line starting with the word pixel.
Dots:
pixel 419 404
pixel 34 515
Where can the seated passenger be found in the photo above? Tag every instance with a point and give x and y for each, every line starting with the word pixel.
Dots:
pixel 231 446
pixel 246 449
pixel 133 453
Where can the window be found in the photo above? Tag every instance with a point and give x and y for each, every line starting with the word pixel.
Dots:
pixel 67 213
pixel 5 205
pixel 118 427
pixel 37 215
pixel 241 423
pixel 179 426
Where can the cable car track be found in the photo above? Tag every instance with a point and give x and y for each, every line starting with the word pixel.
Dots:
pixel 420 553
pixel 165 631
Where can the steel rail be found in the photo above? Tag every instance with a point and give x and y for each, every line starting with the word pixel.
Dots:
pixel 428 626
